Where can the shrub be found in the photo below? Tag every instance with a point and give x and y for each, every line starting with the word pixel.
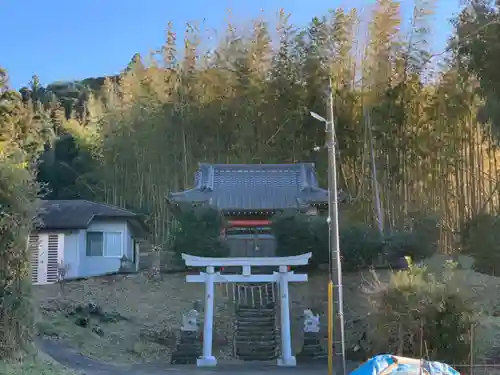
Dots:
pixel 22 138
pixel 419 240
pixel 414 315
pixel 298 234
pixel 360 244
pixel 480 238
pixel 198 233
pixel 18 194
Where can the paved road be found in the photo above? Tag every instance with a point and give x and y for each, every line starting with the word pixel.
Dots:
pixel 74 360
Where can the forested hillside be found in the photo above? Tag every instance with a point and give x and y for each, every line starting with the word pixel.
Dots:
pixel 421 134
pixel 417 132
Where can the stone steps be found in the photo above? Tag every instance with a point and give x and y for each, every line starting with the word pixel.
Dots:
pixel 255 357
pixel 312 348
pixel 255 321
pixel 253 311
pixel 256 337
pixel 188 349
pixel 256 345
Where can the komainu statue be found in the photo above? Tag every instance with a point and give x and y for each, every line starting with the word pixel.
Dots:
pixel 311 321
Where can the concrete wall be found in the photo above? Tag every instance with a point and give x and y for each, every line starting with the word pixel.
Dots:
pixel 94 266
pixel 75 245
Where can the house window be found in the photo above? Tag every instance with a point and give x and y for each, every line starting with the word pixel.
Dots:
pixel 95 244
pixel 107 244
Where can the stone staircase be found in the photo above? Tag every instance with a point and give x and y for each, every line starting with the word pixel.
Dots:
pixel 188 349
pixel 256 337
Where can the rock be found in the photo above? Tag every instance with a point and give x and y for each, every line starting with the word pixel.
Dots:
pixel 82 322
pixel 78 310
pixel 98 331
pixel 358 351
pixel 94 309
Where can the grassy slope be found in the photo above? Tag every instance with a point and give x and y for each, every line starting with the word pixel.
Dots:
pixel 34 365
pixel 154 310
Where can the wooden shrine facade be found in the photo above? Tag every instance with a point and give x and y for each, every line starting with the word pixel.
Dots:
pixel 249 195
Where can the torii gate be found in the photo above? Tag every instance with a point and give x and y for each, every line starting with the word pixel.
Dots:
pixel 283 277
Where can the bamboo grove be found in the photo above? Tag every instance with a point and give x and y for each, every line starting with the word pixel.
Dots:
pixel 410 132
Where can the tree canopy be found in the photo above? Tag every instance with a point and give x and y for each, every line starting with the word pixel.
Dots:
pixel 411 137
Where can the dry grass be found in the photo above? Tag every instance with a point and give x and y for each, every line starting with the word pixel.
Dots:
pixel 34 365
pixel 154 309
pixel 483 294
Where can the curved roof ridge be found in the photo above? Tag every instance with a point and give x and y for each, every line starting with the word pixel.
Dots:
pixel 257 165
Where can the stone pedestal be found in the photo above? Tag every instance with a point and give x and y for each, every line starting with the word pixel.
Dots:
pixel 188 349
pixel 312 348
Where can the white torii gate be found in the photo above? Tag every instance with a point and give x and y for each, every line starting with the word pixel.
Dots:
pixel 283 277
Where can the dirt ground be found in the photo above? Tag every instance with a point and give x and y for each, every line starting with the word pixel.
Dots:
pixel 151 312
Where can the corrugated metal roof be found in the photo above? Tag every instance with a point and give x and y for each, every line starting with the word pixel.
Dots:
pixel 254 186
pixel 78 213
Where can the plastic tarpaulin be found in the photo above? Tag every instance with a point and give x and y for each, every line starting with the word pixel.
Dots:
pixel 387 364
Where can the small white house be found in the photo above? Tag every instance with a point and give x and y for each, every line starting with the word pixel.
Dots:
pixel 84 238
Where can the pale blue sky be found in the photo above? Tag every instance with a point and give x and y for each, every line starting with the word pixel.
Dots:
pixel 66 40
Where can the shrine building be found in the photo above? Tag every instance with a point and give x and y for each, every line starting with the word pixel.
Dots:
pixel 248 195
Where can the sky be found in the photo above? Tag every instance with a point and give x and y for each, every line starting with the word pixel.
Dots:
pixel 64 40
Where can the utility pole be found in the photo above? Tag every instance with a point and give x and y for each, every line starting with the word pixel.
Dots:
pixel 336 336
pixel 335 286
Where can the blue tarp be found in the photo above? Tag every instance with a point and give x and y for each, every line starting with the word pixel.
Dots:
pixel 379 363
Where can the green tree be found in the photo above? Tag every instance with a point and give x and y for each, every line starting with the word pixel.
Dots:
pixel 198 232
pixel 411 143
pixel 18 195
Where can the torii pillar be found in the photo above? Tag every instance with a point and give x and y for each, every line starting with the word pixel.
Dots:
pixel 210 277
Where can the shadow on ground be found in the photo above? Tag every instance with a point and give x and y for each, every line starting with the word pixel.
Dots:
pixel 74 360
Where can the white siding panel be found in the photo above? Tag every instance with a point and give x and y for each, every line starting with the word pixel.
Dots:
pixel 47 251
pixel 113 244
pixel 52 257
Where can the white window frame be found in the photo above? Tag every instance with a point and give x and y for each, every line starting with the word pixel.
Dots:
pixel 103 233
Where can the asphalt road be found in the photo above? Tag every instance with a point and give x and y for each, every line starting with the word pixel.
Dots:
pixel 72 359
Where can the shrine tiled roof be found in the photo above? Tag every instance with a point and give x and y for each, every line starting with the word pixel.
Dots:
pixel 254 186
